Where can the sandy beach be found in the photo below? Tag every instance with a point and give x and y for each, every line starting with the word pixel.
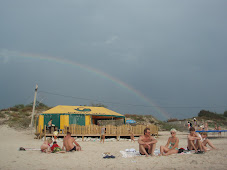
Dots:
pixel 91 157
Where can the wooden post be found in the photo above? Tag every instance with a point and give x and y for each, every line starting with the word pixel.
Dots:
pixel 45 132
pixel 34 102
pixel 40 132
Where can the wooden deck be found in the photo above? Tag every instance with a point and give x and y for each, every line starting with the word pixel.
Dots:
pixel 95 131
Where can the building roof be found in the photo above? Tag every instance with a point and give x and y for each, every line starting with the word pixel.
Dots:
pixel 88 110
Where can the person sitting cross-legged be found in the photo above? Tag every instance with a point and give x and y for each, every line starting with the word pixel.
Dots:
pixel 195 141
pixel 173 141
pixel 147 143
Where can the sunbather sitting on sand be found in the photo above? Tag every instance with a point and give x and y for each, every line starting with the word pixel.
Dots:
pixel 45 147
pixel 206 141
pixel 194 141
pixel 68 143
pixel 147 143
pixel 173 141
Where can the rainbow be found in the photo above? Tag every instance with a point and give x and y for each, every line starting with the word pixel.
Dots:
pixel 102 74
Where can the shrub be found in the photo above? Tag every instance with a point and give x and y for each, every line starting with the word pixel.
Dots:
pixel 167 126
pixel 2 115
pixel 19 106
pixel 225 113
pixel 209 115
pixel 27 109
pixel 19 122
pixel 14 109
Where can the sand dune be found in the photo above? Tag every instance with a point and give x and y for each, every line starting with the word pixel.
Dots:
pixel 91 156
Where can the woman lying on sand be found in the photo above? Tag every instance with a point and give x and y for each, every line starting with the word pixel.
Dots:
pixel 173 141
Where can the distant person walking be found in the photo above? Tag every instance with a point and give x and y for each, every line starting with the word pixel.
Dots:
pixel 206 126
pixel 103 134
pixel 195 122
pixel 219 128
pixel 189 125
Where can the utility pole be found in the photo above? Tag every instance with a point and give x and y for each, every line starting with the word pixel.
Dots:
pixel 34 102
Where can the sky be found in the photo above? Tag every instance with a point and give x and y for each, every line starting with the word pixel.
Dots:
pixel 162 58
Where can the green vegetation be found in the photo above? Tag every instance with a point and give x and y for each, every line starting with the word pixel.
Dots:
pixel 20 120
pixel 20 115
pixel 168 126
pixel 2 115
pixel 225 113
pixel 210 115
pixel 219 119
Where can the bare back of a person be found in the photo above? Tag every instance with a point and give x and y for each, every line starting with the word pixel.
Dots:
pixel 68 143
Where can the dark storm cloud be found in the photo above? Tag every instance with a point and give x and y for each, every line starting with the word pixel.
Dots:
pixel 173 52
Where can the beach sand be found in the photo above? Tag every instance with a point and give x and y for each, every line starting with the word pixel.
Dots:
pixel 91 157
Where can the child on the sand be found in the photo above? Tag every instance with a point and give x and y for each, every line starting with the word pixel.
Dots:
pixel 45 147
pixel 173 141
pixel 55 133
pixel 206 141
pixel 55 148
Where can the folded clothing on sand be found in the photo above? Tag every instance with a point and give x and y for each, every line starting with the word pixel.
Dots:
pixel 129 154
pixel 130 150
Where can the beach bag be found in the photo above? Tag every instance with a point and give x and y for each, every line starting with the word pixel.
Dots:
pixel 181 150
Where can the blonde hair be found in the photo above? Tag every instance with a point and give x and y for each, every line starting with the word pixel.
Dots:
pixel 173 130
pixel 204 133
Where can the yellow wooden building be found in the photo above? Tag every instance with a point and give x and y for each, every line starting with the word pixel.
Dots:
pixel 62 116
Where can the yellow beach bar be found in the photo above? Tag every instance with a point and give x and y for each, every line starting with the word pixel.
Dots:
pixel 84 121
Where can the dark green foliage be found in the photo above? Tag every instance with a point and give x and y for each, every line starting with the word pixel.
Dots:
pixel 38 105
pixel 19 106
pixel 41 105
pixel 210 115
pixel 225 113
pixel 13 109
pixel 27 109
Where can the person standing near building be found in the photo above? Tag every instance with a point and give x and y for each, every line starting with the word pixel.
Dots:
pixel 49 125
pixel 103 134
